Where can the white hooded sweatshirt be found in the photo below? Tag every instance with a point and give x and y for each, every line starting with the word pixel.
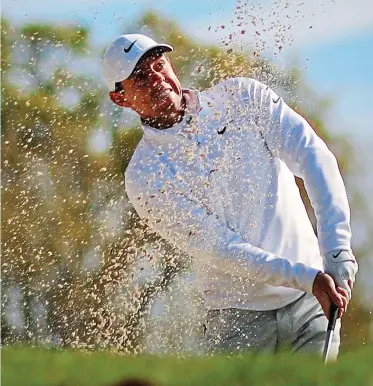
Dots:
pixel 220 186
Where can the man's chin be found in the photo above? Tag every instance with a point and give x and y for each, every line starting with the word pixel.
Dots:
pixel 168 102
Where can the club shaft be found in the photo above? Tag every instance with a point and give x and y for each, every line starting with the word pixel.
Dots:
pixel 328 341
pixel 329 333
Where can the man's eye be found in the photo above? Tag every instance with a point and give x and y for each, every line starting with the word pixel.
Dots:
pixel 160 65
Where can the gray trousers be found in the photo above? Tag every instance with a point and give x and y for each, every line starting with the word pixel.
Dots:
pixel 298 327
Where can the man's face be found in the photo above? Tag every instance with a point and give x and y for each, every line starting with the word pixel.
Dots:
pixel 153 90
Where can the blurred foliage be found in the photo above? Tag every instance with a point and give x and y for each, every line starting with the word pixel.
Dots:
pixel 75 37
pixel 74 251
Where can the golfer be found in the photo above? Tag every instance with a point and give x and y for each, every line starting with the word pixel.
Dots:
pixel 214 175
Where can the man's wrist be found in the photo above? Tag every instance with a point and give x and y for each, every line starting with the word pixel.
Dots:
pixel 341 263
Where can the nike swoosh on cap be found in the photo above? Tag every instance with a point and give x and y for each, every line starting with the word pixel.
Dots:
pixel 127 50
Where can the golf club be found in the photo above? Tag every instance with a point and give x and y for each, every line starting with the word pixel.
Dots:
pixel 329 334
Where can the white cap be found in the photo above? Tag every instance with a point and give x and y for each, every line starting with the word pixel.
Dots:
pixel 123 54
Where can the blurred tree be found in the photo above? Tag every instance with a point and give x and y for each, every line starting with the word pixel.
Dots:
pixel 70 240
pixel 55 195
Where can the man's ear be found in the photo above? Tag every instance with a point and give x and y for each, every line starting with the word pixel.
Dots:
pixel 118 99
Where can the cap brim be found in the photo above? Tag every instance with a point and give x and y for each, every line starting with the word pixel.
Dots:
pixel 160 47
pixel 165 47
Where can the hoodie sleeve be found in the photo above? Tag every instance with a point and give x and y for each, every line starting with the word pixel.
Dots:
pixel 188 225
pixel 289 137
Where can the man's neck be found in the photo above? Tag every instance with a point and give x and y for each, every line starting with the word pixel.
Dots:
pixel 166 121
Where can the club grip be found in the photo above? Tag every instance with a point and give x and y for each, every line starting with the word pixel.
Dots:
pixel 333 315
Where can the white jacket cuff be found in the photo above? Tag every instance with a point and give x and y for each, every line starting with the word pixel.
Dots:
pixel 307 279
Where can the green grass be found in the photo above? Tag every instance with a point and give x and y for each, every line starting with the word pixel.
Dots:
pixel 38 367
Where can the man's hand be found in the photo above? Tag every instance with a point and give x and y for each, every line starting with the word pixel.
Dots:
pixel 326 292
pixel 341 265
